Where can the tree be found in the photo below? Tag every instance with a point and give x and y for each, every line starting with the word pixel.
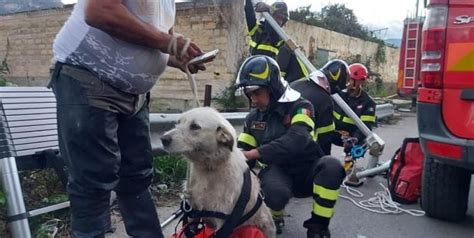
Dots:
pixel 334 17
pixel 337 17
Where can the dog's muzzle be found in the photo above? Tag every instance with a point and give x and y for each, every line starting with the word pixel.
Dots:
pixel 166 140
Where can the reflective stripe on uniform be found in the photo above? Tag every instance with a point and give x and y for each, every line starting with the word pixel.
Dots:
pixel 326 129
pixel 314 135
pixel 325 193
pixel 303 68
pixel 247 139
pixel 303 118
pixel 367 118
pixel 252 43
pixel 268 48
pixel 322 211
pixel 282 74
pixel 254 29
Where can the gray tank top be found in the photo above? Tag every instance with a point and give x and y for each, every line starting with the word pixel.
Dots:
pixel 128 67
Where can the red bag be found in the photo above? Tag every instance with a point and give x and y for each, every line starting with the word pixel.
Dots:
pixel 247 231
pixel 404 175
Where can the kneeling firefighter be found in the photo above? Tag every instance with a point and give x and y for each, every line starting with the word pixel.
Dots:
pixel 317 89
pixel 278 133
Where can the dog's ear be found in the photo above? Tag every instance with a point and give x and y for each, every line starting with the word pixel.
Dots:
pixel 225 137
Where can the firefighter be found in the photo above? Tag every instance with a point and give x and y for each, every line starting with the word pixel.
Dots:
pixel 278 133
pixel 317 89
pixel 360 102
pixel 263 38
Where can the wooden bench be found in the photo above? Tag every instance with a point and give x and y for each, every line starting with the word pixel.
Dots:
pixel 28 128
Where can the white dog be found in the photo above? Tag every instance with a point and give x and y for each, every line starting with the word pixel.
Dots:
pixel 208 141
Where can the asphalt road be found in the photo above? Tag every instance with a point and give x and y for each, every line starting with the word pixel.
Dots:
pixel 351 221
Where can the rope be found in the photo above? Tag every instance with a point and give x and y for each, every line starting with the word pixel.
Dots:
pixel 382 203
pixel 173 50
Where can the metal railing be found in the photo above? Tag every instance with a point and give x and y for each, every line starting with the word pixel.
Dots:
pixel 161 122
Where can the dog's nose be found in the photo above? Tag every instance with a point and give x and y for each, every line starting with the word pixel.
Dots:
pixel 166 140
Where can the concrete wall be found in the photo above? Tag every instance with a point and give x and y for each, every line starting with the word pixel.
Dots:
pixel 26 40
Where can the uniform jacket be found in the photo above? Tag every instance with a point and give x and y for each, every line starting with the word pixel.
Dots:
pixel 363 106
pixel 283 136
pixel 323 108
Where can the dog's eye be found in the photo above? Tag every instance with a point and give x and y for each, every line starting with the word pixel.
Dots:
pixel 194 126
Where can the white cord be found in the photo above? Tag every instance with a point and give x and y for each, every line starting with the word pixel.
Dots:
pixel 192 82
pixel 382 203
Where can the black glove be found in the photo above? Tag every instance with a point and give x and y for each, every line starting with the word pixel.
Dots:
pixel 262 7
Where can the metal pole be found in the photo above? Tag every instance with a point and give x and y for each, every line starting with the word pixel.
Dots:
pixel 371 137
pixel 207 95
pixel 14 197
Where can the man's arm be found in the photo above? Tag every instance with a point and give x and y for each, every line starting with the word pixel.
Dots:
pixel 250 15
pixel 283 60
pixel 112 17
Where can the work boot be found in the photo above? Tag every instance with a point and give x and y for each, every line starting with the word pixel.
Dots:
pixel 316 230
pixel 279 224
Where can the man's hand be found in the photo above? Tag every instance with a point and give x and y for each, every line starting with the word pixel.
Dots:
pixel 262 7
pixel 193 68
pixel 252 154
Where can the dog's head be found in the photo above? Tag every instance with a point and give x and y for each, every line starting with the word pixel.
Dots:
pixel 202 135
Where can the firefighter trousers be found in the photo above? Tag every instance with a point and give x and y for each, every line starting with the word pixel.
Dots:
pixel 321 180
pixel 104 150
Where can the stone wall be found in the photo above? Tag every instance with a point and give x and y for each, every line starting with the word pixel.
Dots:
pixel 26 40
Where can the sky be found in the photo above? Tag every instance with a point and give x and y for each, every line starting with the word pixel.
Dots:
pixel 376 14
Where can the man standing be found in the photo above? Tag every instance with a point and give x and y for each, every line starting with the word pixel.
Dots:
pixel 360 102
pixel 278 133
pixel 109 55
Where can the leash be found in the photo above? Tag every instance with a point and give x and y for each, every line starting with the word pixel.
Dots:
pixel 173 49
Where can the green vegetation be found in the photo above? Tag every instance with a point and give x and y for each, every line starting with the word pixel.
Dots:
pixel 334 17
pixel 169 170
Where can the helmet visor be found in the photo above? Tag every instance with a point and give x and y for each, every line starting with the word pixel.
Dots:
pixel 320 79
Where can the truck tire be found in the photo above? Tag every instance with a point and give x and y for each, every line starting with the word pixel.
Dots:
pixel 445 190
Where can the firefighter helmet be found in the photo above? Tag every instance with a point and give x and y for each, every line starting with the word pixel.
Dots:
pixel 337 72
pixel 281 9
pixel 262 71
pixel 358 72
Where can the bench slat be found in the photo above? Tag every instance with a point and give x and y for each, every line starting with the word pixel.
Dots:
pixel 38 122
pixel 27 100
pixel 31 117
pixel 34 140
pixel 26 95
pixel 44 144
pixel 25 89
pixel 17 136
pixel 34 128
pixel 16 112
pixel 28 106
